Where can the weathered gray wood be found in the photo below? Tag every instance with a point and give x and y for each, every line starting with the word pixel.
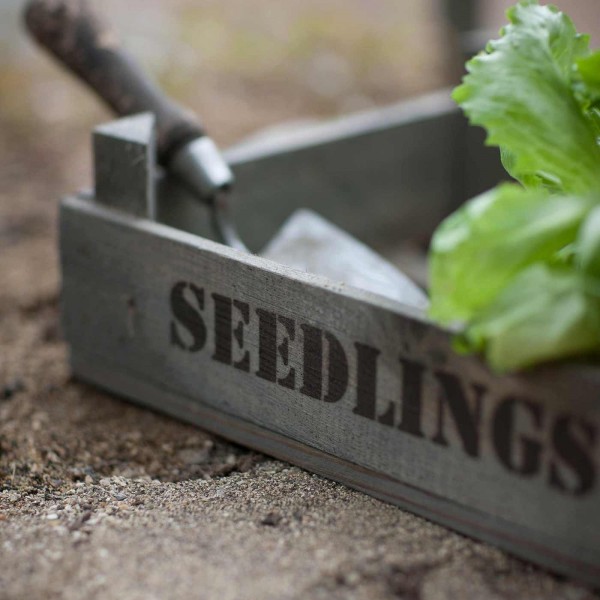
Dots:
pixel 382 176
pixel 445 437
pixel 124 172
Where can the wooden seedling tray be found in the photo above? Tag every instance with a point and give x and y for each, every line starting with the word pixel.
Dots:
pixel 337 380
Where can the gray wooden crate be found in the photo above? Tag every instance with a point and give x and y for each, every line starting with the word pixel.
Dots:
pixel 337 380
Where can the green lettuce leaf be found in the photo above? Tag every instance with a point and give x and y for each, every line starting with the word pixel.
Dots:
pixel 588 73
pixel 522 89
pixel 519 266
pixel 478 250
pixel 587 88
pixel 588 252
pixel 544 314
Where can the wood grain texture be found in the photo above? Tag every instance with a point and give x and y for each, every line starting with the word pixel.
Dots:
pixel 124 165
pixel 411 164
pixel 512 460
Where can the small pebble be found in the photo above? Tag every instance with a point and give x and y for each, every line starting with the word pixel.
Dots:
pixel 194 456
pixel 272 519
pixel 12 388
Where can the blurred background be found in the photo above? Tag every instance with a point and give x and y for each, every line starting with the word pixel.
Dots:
pixel 240 64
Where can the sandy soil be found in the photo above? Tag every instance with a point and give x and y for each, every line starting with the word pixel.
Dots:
pixel 100 499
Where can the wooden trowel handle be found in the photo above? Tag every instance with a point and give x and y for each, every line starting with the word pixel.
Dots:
pixel 79 39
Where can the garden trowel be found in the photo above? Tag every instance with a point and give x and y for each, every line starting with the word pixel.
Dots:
pixel 80 40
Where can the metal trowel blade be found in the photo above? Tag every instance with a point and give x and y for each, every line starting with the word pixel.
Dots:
pixel 310 243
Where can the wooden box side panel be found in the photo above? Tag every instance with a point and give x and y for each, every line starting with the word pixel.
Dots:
pixel 337 370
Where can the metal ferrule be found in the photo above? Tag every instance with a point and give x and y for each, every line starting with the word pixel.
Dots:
pixel 202 168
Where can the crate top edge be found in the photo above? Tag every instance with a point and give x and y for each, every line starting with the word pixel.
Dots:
pixel 264 144
pixel 84 203
pixel 588 375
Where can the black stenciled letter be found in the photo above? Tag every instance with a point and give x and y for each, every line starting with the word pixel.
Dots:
pixel 573 440
pixel 412 397
pixel 186 315
pixel 366 385
pixel 504 436
pixel 337 375
pixel 312 384
pixel 366 381
pixel 269 350
pixel 466 419
pixel 225 332
pixel 337 379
